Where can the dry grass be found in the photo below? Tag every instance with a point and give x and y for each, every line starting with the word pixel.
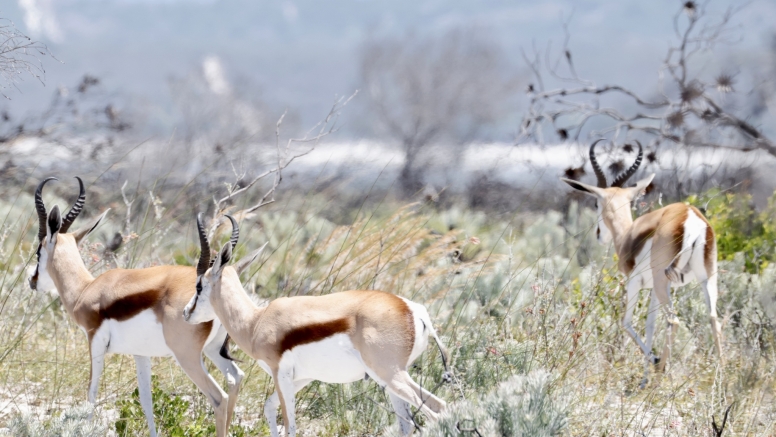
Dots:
pixel 508 296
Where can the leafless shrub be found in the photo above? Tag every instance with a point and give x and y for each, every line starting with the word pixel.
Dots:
pixel 85 119
pixel 422 90
pixel 19 56
pixel 214 117
pixel 689 109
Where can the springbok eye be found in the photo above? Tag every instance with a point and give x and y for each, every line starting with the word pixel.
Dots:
pixel 199 286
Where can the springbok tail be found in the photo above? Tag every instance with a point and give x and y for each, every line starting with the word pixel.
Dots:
pixel 448 375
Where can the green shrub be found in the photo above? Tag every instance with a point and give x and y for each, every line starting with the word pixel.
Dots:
pixel 173 415
pixel 739 227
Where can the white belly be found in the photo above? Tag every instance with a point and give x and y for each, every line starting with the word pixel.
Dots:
pixel 140 335
pixel 333 360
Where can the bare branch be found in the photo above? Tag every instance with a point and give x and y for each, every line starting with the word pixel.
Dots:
pixel 691 118
pixel 285 157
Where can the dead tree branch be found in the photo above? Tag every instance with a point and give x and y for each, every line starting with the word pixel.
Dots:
pixel 689 111
pixel 285 156
pixel 19 56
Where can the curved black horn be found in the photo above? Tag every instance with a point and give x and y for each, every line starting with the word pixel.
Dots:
pixel 235 231
pixel 599 173
pixel 41 208
pixel 76 209
pixel 204 256
pixel 622 178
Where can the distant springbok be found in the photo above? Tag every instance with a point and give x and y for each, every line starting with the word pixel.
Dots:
pixel 135 312
pixel 664 248
pixel 336 338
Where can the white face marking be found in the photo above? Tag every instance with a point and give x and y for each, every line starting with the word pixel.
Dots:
pixel 199 309
pixel 44 282
pixel 602 232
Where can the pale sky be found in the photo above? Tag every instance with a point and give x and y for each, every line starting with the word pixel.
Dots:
pixel 301 54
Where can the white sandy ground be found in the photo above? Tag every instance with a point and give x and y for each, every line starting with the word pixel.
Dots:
pixel 366 162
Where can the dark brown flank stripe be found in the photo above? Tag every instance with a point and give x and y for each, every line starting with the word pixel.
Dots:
pixel 123 309
pixel 708 250
pixel 130 306
pixel 635 248
pixel 312 333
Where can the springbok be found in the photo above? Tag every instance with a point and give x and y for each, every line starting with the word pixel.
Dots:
pixel 336 338
pixel 664 248
pixel 135 312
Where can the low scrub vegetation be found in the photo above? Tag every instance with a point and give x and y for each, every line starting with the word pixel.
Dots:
pixel 529 306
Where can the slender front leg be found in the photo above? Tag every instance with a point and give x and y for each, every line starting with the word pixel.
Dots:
pixel 632 298
pixel 98 347
pixel 143 365
pixel 402 410
pixel 271 406
pixel 284 386
pixel 191 362
pixel 233 374
pixel 271 413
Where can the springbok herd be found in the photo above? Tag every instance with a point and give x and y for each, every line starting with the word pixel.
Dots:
pixel 337 338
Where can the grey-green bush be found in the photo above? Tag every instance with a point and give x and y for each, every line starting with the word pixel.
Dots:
pixel 520 406
pixel 74 422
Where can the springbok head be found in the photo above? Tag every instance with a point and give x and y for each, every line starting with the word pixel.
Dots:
pixel 54 240
pixel 200 308
pixel 612 201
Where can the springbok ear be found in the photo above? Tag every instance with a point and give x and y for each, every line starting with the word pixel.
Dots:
pixel 54 221
pixel 80 234
pixel 223 259
pixel 247 260
pixel 585 188
pixel 640 186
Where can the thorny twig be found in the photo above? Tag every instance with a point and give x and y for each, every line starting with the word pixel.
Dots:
pixel 718 429
pixel 285 157
pixel 18 56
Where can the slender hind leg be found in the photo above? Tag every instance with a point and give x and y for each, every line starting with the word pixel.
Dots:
pixel 232 373
pixel 650 359
pixel 272 403
pixel 710 289
pixel 662 290
pixel 143 365
pixel 402 409
pixel 402 385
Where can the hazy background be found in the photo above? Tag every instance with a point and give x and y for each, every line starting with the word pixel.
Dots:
pixel 442 100
pixel 301 54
